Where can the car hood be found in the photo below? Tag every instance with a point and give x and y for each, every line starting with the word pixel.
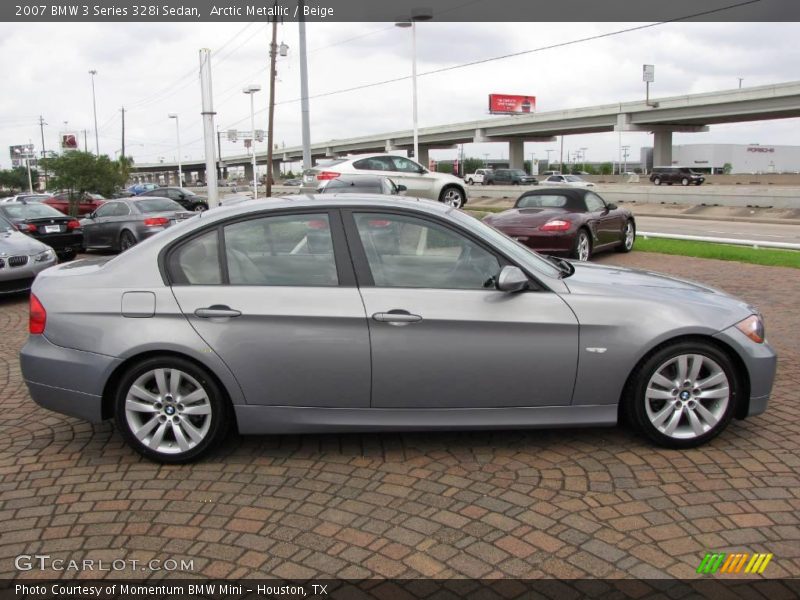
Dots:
pixel 14 242
pixel 525 216
pixel 597 279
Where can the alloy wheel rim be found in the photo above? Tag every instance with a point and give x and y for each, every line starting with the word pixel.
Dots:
pixel 199 208
pixel 452 198
pixel 126 242
pixel 168 411
pixel 628 236
pixel 583 248
pixel 687 396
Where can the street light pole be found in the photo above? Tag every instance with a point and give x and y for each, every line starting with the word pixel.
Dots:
pixel 251 90
pixel 93 72
pixel 178 132
pixel 413 26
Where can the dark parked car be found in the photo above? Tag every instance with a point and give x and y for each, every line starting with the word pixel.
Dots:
pixel 362 184
pixel 670 175
pixel 62 233
pixel 293 182
pixel 186 198
pixel 86 204
pixel 509 177
pixel 571 221
pixel 120 224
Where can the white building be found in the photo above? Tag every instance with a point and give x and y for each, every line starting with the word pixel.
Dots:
pixel 743 158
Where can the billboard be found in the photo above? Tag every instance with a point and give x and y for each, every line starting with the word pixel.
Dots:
pixel 69 141
pixel 21 151
pixel 508 104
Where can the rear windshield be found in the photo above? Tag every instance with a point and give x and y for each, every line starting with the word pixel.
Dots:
pixel 153 205
pixel 549 201
pixel 30 211
pixel 330 163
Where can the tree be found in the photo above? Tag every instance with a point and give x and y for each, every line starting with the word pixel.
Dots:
pixel 727 168
pixel 17 178
pixel 81 172
pixel 472 164
pixel 606 168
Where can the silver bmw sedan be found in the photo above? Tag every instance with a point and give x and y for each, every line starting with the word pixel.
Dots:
pixel 377 313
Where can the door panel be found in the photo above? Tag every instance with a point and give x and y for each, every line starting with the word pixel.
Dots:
pixel 471 348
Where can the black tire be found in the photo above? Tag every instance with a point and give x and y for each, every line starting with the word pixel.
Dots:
pixel 453 196
pixel 200 207
pixel 470 182
pixel 578 251
pixel 126 240
pixel 218 416
pixel 685 181
pixel 657 181
pixel 625 246
pixel 636 403
pixel 67 255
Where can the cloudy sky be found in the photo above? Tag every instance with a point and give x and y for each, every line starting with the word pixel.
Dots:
pixel 152 70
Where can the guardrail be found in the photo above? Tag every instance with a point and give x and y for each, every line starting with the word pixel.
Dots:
pixel 713 240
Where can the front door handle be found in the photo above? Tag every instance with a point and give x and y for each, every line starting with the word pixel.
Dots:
pixel 396 317
pixel 217 311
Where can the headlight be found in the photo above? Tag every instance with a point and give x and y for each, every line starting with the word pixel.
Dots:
pixel 44 256
pixel 752 327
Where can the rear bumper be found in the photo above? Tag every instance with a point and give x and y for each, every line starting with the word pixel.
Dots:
pixel 65 380
pixel 557 242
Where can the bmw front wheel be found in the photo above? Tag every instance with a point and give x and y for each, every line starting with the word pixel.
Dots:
pixel 452 196
pixel 169 410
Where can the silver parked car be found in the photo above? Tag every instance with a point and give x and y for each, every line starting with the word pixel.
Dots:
pixel 21 258
pixel 374 313
pixel 419 181
pixel 124 222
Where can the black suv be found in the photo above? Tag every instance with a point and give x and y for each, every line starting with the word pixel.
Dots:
pixel 511 177
pixel 670 175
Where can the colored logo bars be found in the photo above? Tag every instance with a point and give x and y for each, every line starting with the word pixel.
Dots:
pixel 721 562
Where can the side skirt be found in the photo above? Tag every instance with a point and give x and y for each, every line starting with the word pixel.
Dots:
pixel 300 419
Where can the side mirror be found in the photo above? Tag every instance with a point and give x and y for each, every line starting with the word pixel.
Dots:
pixel 422 170
pixel 92 215
pixel 611 206
pixel 401 188
pixel 511 280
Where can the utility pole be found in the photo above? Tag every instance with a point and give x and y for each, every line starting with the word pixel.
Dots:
pixel 273 50
pixel 85 142
pixel 44 152
pixel 304 111
pixel 208 127
pixel 123 130
pixel 93 72
pixel 219 154
pixel 561 156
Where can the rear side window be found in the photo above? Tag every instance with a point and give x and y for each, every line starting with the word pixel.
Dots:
pixel 197 261
pixel 375 163
pixel 290 250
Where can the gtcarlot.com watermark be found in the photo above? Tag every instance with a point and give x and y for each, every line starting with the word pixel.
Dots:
pixel 44 562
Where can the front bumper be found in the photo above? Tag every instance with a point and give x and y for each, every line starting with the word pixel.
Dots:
pixel 761 363
pixel 65 380
pixel 20 279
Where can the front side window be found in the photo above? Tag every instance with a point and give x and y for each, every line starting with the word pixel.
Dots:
pixel 287 250
pixel 405 251
pixel 594 203
pixel 107 210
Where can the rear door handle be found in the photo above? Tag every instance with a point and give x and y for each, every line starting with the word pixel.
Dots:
pixel 396 317
pixel 217 311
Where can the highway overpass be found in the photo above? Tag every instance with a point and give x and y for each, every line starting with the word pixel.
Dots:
pixel 661 117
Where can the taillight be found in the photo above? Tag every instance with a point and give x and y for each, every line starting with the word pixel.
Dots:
pixel 73 225
pixel 156 221
pixel 38 316
pixel 26 227
pixel 327 175
pixel 556 225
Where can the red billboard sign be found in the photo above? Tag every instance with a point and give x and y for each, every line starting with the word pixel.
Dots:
pixel 507 104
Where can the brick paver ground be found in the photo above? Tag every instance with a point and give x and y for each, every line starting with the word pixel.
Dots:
pixel 564 503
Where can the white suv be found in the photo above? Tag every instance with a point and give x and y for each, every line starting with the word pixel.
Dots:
pixel 419 181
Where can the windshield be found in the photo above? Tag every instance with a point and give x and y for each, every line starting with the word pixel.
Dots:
pixel 513 248
pixel 31 211
pixel 154 205
pixel 5 225
pixel 572 178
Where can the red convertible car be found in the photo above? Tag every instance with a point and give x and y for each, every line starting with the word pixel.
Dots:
pixel 574 222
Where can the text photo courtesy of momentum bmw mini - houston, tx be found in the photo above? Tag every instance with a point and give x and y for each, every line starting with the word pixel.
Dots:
pixel 432 300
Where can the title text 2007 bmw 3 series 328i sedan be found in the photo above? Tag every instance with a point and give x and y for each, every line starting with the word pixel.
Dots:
pixel 377 314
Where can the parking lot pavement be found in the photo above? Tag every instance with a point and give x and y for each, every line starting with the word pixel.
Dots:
pixel 565 503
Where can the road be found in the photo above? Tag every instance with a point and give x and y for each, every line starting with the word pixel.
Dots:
pixel 762 232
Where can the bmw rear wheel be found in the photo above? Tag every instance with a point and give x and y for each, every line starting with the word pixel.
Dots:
pixel 169 410
pixel 684 395
pixel 452 196
pixel 126 241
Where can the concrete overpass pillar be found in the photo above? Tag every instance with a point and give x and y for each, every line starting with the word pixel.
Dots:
pixel 276 170
pixel 424 157
pixel 516 154
pixel 201 176
pixel 248 172
pixel 662 149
